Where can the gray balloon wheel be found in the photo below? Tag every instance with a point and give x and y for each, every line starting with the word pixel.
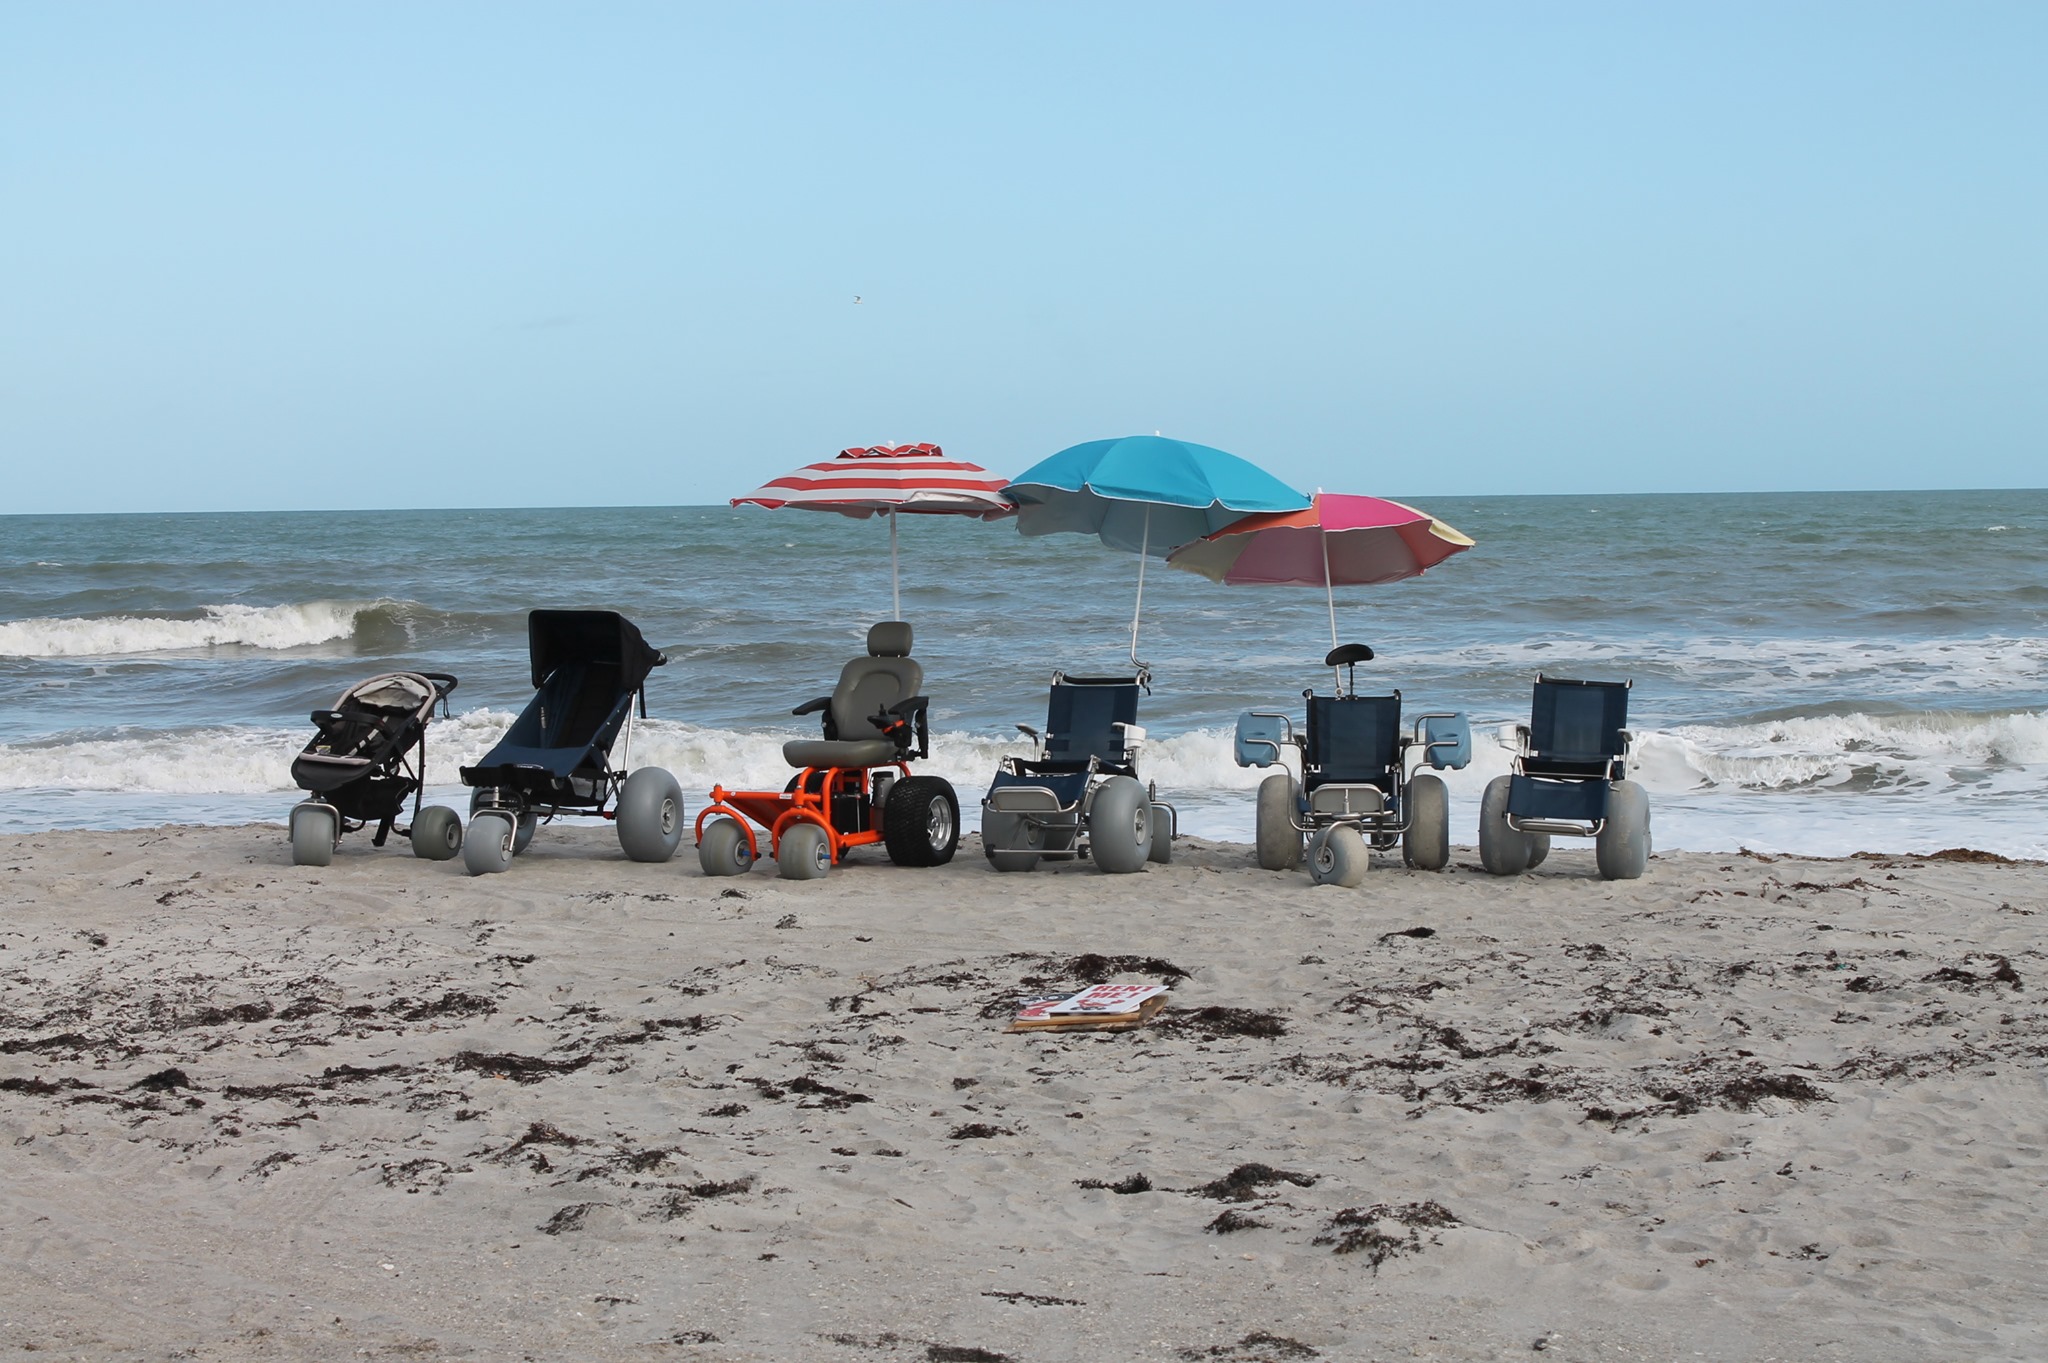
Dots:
pixel 1502 850
pixel 650 815
pixel 487 846
pixel 724 850
pixel 313 830
pixel 1161 851
pixel 1278 840
pixel 805 854
pixel 1338 856
pixel 1622 849
pixel 437 833
pixel 1427 843
pixel 1010 841
pixel 1119 826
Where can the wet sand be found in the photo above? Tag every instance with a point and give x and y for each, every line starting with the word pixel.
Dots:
pixel 1739 1109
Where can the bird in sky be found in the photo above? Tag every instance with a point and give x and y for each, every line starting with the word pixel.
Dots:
pixel 856 298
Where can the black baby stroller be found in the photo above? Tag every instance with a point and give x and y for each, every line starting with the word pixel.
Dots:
pixel 590 667
pixel 369 755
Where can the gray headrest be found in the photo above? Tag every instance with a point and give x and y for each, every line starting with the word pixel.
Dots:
pixel 889 639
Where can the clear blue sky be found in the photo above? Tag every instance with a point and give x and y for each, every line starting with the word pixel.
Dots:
pixel 449 254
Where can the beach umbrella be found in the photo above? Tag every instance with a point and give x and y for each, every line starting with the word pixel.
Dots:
pixel 1144 494
pixel 1340 540
pixel 887 479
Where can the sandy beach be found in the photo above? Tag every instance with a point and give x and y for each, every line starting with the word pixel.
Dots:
pixel 1742 1108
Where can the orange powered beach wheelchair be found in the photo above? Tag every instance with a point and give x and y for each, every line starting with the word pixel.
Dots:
pixel 853 787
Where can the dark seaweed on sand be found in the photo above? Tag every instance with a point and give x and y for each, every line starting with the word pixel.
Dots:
pixel 1134 1183
pixel 1242 1184
pixel 526 1069
pixel 1356 1230
pixel 1256 1347
pixel 1216 1021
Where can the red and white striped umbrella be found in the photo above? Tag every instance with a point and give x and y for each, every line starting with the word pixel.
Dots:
pixel 883 480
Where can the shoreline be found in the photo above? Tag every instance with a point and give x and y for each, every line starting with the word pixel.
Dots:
pixel 1747 1105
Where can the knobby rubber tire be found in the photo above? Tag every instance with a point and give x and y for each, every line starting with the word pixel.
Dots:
pixel 921 821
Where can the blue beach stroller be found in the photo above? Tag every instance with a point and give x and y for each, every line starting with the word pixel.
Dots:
pixel 1570 777
pixel 1361 783
pixel 1080 795
pixel 590 668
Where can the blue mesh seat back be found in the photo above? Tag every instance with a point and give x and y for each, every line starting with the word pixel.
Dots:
pixel 1535 797
pixel 1575 727
pixel 1067 786
pixel 1353 740
pixel 1081 718
pixel 570 723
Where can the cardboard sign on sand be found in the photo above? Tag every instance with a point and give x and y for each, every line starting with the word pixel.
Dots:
pixel 1098 1008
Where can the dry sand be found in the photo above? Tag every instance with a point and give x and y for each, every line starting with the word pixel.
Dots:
pixel 1740 1109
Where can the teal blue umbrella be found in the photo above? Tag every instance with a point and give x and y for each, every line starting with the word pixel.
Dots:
pixel 1144 494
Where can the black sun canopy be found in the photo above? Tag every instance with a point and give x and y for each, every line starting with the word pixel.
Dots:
pixel 593 638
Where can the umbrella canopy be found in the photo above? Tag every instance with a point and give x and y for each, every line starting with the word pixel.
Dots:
pixel 1144 494
pixel 880 480
pixel 1339 539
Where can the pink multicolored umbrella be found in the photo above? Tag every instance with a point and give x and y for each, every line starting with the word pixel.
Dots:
pixel 1341 540
pixel 885 479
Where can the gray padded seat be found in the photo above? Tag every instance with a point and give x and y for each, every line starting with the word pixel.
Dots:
pixel 866 686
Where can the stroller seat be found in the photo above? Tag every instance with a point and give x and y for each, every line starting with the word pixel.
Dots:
pixel 868 717
pixel 589 667
pixel 367 756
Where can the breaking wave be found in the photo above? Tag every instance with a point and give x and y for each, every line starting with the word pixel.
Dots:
pixel 264 627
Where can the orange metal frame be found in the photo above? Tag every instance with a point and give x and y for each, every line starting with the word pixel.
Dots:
pixel 808 800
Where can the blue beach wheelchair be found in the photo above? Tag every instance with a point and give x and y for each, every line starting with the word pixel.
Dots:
pixel 1570 778
pixel 1080 795
pixel 589 667
pixel 1361 785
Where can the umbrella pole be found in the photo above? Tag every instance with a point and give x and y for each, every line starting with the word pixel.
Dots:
pixel 1330 599
pixel 896 592
pixel 1144 548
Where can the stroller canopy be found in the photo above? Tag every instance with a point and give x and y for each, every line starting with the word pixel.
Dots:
pixel 594 638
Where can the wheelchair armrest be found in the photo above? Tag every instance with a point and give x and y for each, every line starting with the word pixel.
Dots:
pixel 1445 740
pixel 905 725
pixel 1028 732
pixel 1259 736
pixel 811 707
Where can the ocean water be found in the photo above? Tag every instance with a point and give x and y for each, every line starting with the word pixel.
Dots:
pixel 1819 673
